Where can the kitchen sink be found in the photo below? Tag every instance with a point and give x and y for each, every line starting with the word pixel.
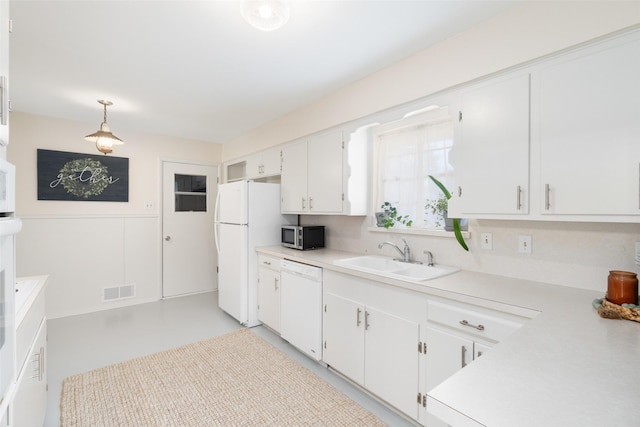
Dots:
pixel 389 267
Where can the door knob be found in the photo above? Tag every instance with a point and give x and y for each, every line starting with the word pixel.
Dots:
pixel 167 238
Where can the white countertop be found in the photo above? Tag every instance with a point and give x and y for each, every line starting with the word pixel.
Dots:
pixel 27 290
pixel 565 367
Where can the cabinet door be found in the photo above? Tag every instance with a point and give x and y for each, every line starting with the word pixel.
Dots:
pixel 293 185
pixel 479 349
pixel 494 147
pixel 30 401
pixel 325 173
pixel 253 166
pixel 446 354
pixel 343 331
pixel 392 359
pixel 271 161
pixel 269 297
pixel 590 132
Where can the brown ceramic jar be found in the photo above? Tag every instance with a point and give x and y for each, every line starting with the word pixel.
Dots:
pixel 622 287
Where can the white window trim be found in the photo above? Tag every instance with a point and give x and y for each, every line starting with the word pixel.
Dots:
pixel 412 119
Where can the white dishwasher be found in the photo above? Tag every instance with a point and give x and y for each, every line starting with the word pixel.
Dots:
pixel 301 307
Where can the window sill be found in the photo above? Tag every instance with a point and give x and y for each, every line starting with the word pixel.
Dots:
pixel 419 232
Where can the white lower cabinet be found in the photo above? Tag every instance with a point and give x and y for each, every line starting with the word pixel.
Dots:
pixel 399 344
pixel 30 400
pixel 391 360
pixel 449 352
pixel 371 335
pixel 344 336
pixel 29 405
pixel 457 334
pixel 269 291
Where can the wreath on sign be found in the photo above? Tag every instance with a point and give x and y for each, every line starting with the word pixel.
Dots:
pixel 84 177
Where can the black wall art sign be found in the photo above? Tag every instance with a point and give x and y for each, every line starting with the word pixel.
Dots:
pixel 82 177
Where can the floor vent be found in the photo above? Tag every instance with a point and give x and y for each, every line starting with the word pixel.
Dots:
pixel 118 292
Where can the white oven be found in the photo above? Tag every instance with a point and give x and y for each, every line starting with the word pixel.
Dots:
pixel 7 188
pixel 9 227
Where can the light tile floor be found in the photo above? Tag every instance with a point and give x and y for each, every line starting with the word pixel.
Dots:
pixel 81 343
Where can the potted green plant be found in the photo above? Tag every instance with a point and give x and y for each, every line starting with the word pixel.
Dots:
pixel 389 217
pixel 438 207
pixel 456 221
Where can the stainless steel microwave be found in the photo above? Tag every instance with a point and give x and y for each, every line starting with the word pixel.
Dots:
pixel 303 237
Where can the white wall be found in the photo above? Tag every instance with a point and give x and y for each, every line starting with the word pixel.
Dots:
pixel 571 254
pixel 86 246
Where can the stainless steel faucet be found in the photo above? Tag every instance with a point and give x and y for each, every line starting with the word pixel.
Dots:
pixel 429 258
pixel 406 252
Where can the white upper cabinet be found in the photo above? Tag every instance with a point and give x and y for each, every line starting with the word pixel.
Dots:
pixel 493 147
pixel 558 139
pixel 264 164
pixel 293 181
pixel 324 175
pixel 589 131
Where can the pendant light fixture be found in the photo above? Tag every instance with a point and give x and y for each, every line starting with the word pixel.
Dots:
pixel 266 15
pixel 103 138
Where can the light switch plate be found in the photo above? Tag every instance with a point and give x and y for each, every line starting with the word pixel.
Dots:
pixel 524 244
pixel 486 241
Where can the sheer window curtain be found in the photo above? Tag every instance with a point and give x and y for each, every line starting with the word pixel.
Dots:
pixel 405 157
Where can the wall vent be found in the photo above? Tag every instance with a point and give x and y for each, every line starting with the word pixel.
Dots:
pixel 118 292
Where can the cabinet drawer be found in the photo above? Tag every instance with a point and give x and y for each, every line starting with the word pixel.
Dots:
pixel 269 262
pixel 476 321
pixel 28 328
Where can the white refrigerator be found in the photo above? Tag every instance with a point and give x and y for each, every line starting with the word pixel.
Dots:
pixel 247 216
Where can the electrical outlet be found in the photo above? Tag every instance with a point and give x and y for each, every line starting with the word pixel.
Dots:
pixel 148 205
pixel 486 241
pixel 524 244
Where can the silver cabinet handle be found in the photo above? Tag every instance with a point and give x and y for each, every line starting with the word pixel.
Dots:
pixel 459 191
pixel 310 203
pixel 358 311
pixel 167 238
pixel 519 198
pixel 547 203
pixel 38 360
pixel 463 353
pixel 478 327
pixel 35 360
pixel 366 320
pixel 303 206
pixel 42 364
pixel 266 262
pixel 275 283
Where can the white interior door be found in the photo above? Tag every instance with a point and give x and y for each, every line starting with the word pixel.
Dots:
pixel 189 257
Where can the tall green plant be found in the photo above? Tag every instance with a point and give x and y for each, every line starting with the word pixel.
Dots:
pixel 456 221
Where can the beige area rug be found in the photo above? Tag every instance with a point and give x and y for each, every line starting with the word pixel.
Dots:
pixel 237 379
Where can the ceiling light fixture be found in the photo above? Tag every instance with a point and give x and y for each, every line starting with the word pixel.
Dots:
pixel 266 15
pixel 104 139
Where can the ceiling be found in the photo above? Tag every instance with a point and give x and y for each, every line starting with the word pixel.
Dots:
pixel 197 70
